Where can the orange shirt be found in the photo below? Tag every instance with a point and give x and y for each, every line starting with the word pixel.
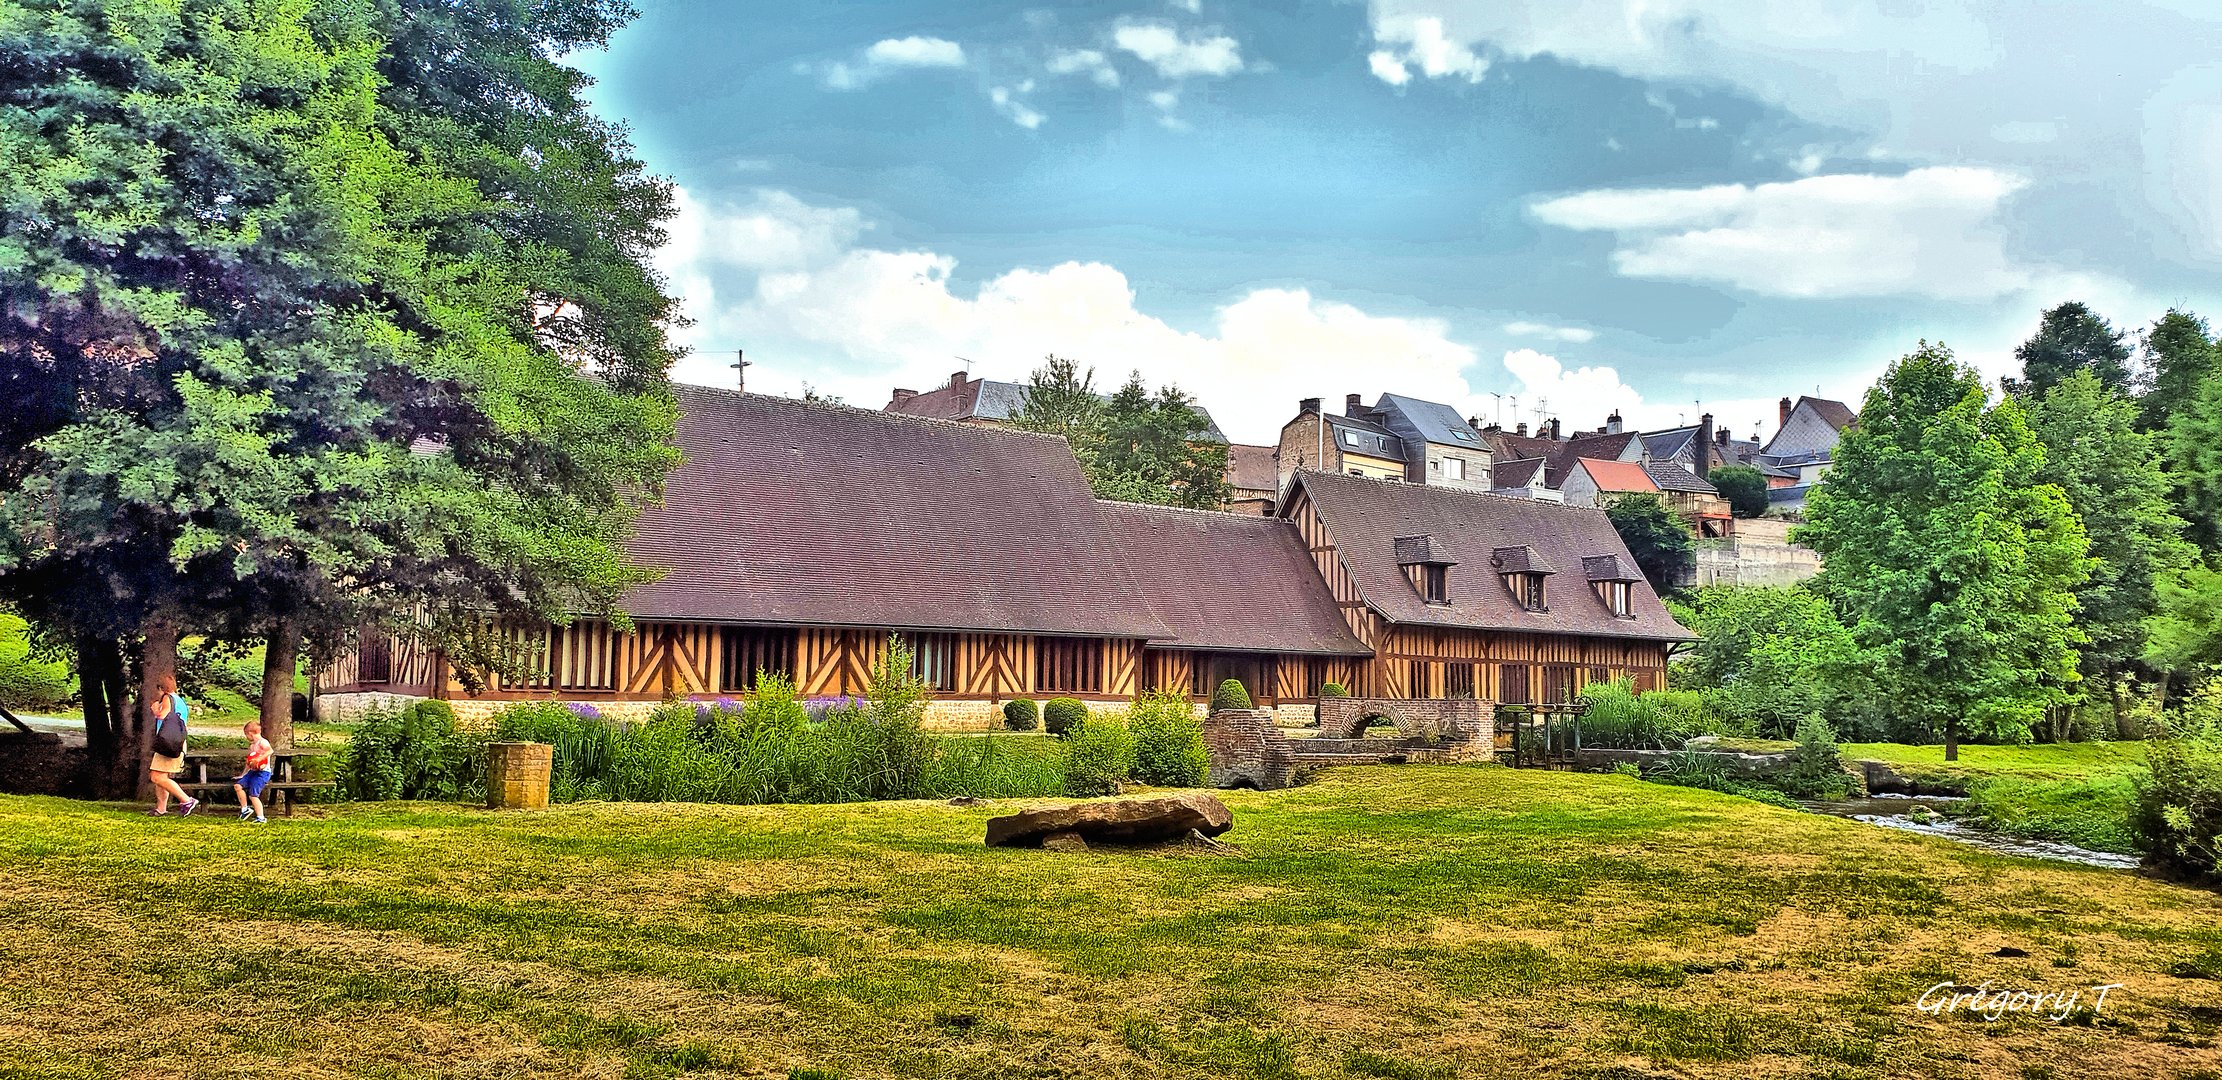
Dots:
pixel 258 754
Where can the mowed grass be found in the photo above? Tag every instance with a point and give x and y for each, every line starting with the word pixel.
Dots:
pixel 2079 793
pixel 2042 761
pixel 1396 922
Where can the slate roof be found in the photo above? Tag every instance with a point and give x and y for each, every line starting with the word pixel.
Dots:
pixel 1369 433
pixel 792 513
pixel 1559 455
pixel 1838 414
pixel 1520 559
pixel 998 401
pixel 1434 421
pixel 1230 581
pixel 1671 476
pixel 1619 475
pixel 1521 473
pixel 1365 516
pixel 1610 568
pixel 1253 468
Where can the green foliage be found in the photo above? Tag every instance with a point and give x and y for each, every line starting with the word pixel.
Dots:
pixel 2184 633
pixel 585 749
pixel 2182 357
pixel 2178 819
pixel 1816 769
pixel 2111 474
pixel 1953 566
pixel 881 746
pixel 1099 757
pixel 1777 654
pixel 417 752
pixel 28 681
pixel 992 767
pixel 1656 539
pixel 1229 695
pixel 1332 689
pixel 2090 812
pixel 2071 339
pixel 1019 714
pixel 1692 768
pixel 1618 718
pixel 1134 446
pixel 1744 487
pixel 1169 746
pixel 1061 715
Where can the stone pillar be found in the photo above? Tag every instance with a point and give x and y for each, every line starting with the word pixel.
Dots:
pixel 517 775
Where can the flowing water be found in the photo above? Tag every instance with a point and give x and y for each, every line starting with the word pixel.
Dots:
pixel 1899 812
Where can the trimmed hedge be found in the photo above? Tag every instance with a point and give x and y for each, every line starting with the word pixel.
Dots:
pixel 1230 695
pixel 1019 714
pixel 1333 689
pixel 1062 715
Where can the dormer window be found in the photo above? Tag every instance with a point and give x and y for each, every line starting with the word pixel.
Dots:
pixel 1527 590
pixel 1426 565
pixel 1621 597
pixel 1614 577
pixel 1437 578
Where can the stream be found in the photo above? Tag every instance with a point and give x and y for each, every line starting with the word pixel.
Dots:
pixel 1896 812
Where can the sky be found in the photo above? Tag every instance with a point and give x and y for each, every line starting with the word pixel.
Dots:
pixel 1524 208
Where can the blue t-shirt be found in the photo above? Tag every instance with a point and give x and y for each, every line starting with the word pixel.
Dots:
pixel 178 706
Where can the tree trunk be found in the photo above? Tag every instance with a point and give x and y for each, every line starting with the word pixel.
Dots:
pixel 99 677
pixel 277 685
pixel 157 664
pixel 1951 740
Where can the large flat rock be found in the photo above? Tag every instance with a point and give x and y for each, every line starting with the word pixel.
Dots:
pixel 1116 821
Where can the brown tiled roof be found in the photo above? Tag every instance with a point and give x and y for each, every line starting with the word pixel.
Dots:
pixel 1559 455
pixel 1838 414
pixel 1253 468
pixel 1520 559
pixel 794 513
pixel 1364 517
pixel 1230 581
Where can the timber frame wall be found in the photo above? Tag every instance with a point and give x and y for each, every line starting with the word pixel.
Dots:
pixel 1418 661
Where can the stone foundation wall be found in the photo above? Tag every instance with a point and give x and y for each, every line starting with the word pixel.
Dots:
pixel 940 715
pixel 344 708
pixel 1434 719
pixel 1248 750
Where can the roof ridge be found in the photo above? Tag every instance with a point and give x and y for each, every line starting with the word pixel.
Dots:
pixel 1466 492
pixel 1183 510
pixel 892 417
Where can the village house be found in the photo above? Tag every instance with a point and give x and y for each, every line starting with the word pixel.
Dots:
pixel 1352 444
pixel 1253 479
pixel 1802 447
pixel 796 537
pixel 1397 437
pixel 996 403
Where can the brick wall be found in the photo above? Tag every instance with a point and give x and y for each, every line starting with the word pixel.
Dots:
pixel 1248 750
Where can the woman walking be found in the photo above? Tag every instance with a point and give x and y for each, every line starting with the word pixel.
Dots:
pixel 169 710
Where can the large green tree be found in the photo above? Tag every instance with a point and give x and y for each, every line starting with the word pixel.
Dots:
pixel 1658 540
pixel 1135 445
pixel 2071 338
pixel 279 368
pixel 1946 556
pixel 1780 653
pixel 1744 487
pixel 2110 471
pixel 2181 357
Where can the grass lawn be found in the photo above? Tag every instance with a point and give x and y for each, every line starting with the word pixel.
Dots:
pixel 2079 793
pixel 1393 922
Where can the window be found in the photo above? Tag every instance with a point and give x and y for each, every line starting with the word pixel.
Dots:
pixel 1622 596
pixel 1436 577
pixel 583 656
pixel 748 653
pixel 1418 686
pixel 1350 437
pixel 1454 468
pixel 933 659
pixel 1512 684
pixel 374 657
pixel 1458 680
pixel 1558 684
pixel 1068 665
pixel 1527 590
pixel 1598 677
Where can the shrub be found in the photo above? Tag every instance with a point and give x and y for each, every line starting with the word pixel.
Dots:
pixel 1617 718
pixel 415 753
pixel 1230 695
pixel 1816 770
pixel 1062 715
pixel 1333 689
pixel 992 767
pixel 26 680
pixel 1692 768
pixel 1099 757
pixel 1019 714
pixel 583 745
pixel 2178 817
pixel 880 745
pixel 1169 746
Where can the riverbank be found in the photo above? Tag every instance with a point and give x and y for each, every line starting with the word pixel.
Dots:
pixel 1387 921
pixel 2071 793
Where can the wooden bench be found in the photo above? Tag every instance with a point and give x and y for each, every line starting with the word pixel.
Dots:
pixel 276 795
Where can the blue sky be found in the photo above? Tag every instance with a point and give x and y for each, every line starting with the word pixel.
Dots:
pixel 1594 204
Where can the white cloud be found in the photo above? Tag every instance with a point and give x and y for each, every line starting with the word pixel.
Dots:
pixel 1193 7
pixel 1418 41
pixel 1575 334
pixel 1583 397
pixel 916 52
pixel 1089 62
pixel 884 57
pixel 1018 111
pixel 1930 232
pixel 1162 47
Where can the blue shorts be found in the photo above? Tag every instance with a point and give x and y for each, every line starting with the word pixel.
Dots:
pixel 252 782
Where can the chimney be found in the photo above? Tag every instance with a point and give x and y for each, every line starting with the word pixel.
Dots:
pixel 1722 435
pixel 902 397
pixel 1352 408
pixel 1784 406
pixel 1522 430
pixel 1308 405
pixel 956 380
pixel 1554 429
pixel 1612 423
pixel 1701 456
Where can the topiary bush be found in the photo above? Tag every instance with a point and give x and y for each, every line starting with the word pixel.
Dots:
pixel 1062 715
pixel 1230 695
pixel 1019 714
pixel 1169 746
pixel 1099 756
pixel 1333 689
pixel 416 753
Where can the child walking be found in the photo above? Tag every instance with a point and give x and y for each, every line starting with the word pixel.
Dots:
pixel 248 785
